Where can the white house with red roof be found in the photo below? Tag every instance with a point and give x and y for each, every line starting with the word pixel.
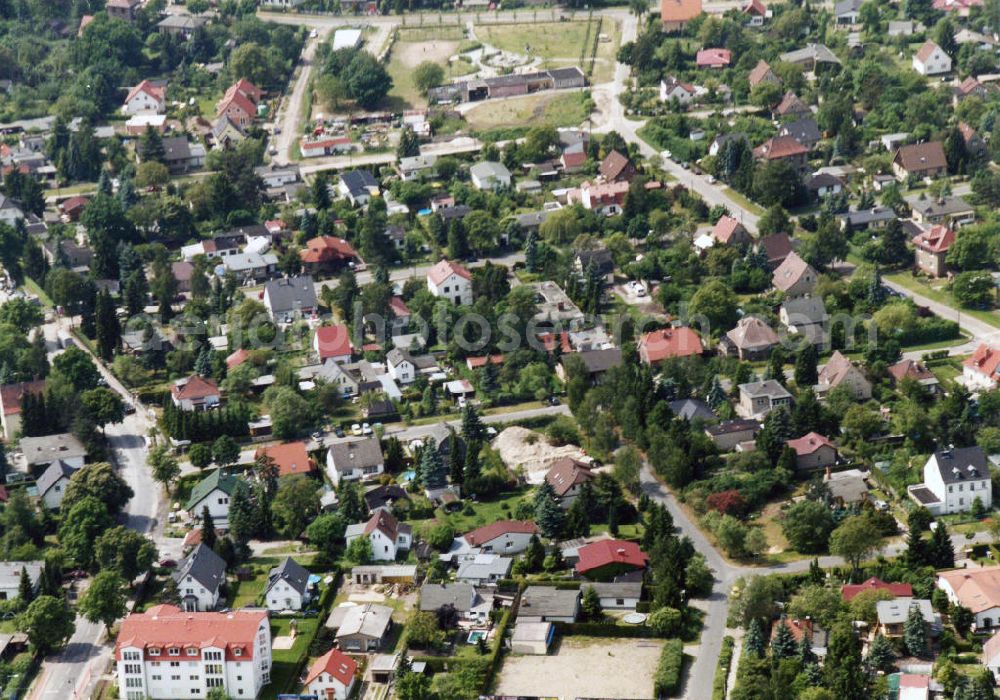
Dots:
pixel 168 653
pixel 657 346
pixel 333 343
pixel 238 107
pixel 979 370
pixel 502 537
pixel 146 98
pixel 976 589
pixel 991 655
pixel 451 281
pixel 931 59
pixel 756 12
pixel 10 404
pixel 813 451
pixel 331 677
pixel 729 231
pixel 673 89
pixel 388 536
pixel 195 393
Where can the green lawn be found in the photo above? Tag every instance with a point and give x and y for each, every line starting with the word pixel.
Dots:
pixel 544 108
pixel 286 663
pixel 922 287
pixel 32 287
pixel 485 512
pixel 744 201
pixel 542 40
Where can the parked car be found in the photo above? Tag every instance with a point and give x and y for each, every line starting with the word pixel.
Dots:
pixel 356 429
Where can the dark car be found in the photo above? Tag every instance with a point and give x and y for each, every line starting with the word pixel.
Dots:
pixel 167 563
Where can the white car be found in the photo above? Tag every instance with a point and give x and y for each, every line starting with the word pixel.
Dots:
pixel 356 429
pixel 711 179
pixel 366 429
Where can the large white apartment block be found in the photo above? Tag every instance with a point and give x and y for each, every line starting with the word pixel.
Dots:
pixel 168 653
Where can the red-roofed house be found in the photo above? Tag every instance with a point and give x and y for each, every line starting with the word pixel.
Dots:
pixel 84 21
pixel 656 346
pixel 813 451
pixel 10 404
pixel 290 458
pixel 247 89
pixel 237 358
pixel 567 477
pixel 848 591
pixel 73 207
pixel 333 343
pixel 387 535
pixel 146 98
pixel 605 559
pixel 675 14
pixel 331 677
pixel 502 537
pixel 550 341
pixel 450 280
pixel 756 12
pixel 762 73
pixel 617 167
pixel 783 148
pixel 326 254
pixel 729 231
pixel 976 589
pixel 931 59
pixel 606 198
pixel 475 362
pixel 714 58
pixel 238 107
pixel 233 647
pixel 979 370
pixel 195 393
pixel 932 248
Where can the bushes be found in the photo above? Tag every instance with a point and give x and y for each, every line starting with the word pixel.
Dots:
pixel 667 679
pixel 722 670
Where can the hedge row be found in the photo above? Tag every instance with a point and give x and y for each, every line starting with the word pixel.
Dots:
pixel 608 629
pixel 722 670
pixel 667 680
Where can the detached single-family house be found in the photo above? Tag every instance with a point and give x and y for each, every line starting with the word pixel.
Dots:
pixel 290 297
pixel 729 231
pixel 146 98
pixel 729 433
pixel 388 536
pixel 358 186
pixel 451 281
pixel 463 597
pixel 287 587
pixel 332 676
pixel 326 254
pixel 757 13
pixel 213 492
pixel 199 579
pixel 784 148
pixel 794 276
pixel 846 12
pixel 953 212
pixel 757 399
pixel 289 458
pixel 979 370
pixel 892 616
pixel 567 476
pixel 954 479
pixel 713 58
pixel 195 393
pixel 672 89
pixel 624 595
pixel 354 459
pixel 977 589
pixel 10 577
pixel 502 536
pixel 40 452
pixel 752 339
pixel 807 318
pixel 849 590
pixel 605 559
pixel 840 371
pixel 52 484
pixel 657 346
pixel 617 167
pixel 548 604
pixel 484 569
pixel 813 451
pixel 333 343
pixel 10 402
pixel 919 160
pixel 790 106
pixel 762 73
pixel 489 175
pixel 676 14
pixel 931 59
pixel 932 249
pixel 361 628
pixel 917 372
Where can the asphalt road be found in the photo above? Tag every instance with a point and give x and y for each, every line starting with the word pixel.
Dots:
pixel 73 672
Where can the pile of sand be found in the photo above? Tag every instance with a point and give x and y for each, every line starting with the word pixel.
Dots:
pixel 530 451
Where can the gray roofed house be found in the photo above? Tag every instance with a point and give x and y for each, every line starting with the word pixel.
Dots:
pixel 848 486
pixel 892 615
pixel 199 578
pixel 10 576
pixel 846 11
pixel 52 483
pixel 354 459
pixel 357 185
pixel 361 628
pixel 42 451
pixel 876 217
pixel 449 214
pixel 804 130
pixel 484 569
pixel 289 581
pixel 617 595
pixel 596 362
pixel 181 25
pixel 289 296
pixel 903 27
pixel 757 399
pixel 180 155
pixel 950 211
pixel 532 220
pixel 691 409
pixel 549 604
pixel 807 317
pixel 434 596
pixel 810 55
pixel 489 175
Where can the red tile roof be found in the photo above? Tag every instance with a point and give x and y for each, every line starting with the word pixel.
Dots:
pixel 926 50
pixel 613 165
pixel 778 147
pixel 333 341
pixel 809 443
pixel 445 269
pixel 246 88
pixel 850 590
pixel 565 473
pixel 606 552
pixel 385 522
pixel 237 358
pixel 755 7
pixel 909 369
pixel 165 626
pixel 290 458
pixel 335 663
pixel 726 228
pixel 486 533
pixel 679 10
pixel 74 203
pixel 480 361
pixel 712 58
pixel 918 157
pixel 11 394
pixel 670 342
pixel 196 387
pixel 798 628
pixel 238 100
pixel 759 72
pixel 984 360
pixel 155 91
pixel 548 341
pixel 936 239
pixel 399 307
pixel 327 249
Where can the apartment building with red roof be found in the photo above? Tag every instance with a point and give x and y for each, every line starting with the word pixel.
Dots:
pixel 932 248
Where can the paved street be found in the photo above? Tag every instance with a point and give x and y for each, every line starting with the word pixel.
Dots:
pixel 73 672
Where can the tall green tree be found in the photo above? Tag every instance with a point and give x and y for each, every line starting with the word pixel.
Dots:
pixel 105 600
pixel 48 622
pixel 914 632
pixel 433 473
pixel 548 513
pixel 842 669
